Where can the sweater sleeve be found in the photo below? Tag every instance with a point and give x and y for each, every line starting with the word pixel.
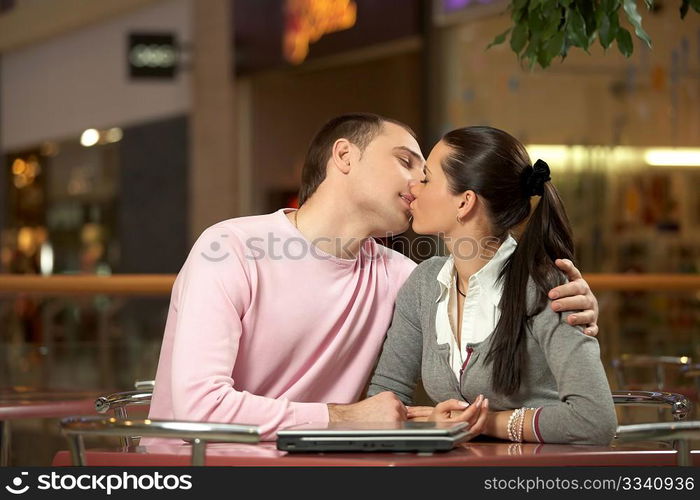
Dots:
pixel 585 413
pixel 399 364
pixel 215 293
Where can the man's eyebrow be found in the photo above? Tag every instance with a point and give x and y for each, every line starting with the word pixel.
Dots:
pixel 417 156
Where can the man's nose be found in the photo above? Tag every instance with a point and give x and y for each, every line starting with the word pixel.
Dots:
pixel 414 187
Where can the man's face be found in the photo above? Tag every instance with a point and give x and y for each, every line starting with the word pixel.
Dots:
pixel 382 177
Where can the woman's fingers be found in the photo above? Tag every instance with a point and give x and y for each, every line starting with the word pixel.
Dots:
pixel 451 405
pixel 477 418
pixel 443 410
pixel 480 424
pixel 471 414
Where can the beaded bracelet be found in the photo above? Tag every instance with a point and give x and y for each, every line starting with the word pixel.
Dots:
pixel 516 424
pixel 510 425
pixel 513 423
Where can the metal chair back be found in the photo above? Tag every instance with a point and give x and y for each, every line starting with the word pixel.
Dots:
pixel 200 433
pixel 680 433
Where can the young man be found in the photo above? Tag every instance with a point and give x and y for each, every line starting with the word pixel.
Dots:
pixel 278 319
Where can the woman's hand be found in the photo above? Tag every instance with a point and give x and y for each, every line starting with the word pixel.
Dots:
pixel 454 411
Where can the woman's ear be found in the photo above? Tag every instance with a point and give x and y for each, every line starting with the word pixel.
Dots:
pixel 341 155
pixel 467 202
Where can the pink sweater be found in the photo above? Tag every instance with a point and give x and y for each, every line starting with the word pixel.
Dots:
pixel 264 328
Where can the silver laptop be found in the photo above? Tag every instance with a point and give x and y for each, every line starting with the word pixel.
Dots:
pixel 384 436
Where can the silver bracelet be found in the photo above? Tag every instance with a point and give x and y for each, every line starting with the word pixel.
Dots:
pixel 521 424
pixel 509 427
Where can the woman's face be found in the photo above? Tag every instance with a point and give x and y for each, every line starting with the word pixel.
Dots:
pixel 435 207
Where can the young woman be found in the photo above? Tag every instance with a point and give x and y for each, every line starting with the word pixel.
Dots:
pixel 476 326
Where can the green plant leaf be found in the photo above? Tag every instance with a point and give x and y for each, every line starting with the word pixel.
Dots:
pixel 554 46
pixel 587 10
pixel 608 29
pixel 599 14
pixel 530 54
pixel 534 4
pixel 536 22
pixel 577 29
pixel 519 8
pixel 650 4
pixel 519 37
pixel 565 3
pixel 553 19
pixel 499 39
pixel 624 42
pixel 635 20
pixel 610 6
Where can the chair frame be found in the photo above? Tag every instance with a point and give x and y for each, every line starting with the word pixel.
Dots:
pixel 680 405
pixel 200 433
pixel 677 432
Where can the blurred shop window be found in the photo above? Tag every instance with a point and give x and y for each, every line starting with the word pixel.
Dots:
pixel 60 211
pixel 26 205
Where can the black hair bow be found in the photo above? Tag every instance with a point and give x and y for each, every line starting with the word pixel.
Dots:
pixel 535 177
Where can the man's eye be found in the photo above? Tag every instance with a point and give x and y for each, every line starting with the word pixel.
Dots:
pixel 406 163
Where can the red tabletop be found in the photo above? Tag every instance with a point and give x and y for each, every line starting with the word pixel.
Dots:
pixel 16 404
pixel 467 454
pixel 46 409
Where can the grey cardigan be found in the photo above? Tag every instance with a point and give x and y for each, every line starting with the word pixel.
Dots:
pixel 563 375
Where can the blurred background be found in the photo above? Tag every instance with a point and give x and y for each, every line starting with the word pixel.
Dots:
pixel 129 126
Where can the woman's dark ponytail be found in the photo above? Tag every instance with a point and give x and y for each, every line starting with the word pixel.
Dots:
pixel 497 167
pixel 547 237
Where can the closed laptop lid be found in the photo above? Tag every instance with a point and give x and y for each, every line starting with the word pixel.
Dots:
pixel 378 429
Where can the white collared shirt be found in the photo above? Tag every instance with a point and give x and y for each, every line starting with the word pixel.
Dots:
pixel 480 313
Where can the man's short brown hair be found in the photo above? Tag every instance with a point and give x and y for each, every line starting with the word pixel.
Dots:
pixel 358 128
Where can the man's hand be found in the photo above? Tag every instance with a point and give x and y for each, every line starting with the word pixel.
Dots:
pixel 383 407
pixel 576 296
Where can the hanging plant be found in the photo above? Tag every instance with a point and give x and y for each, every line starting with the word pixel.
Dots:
pixel 545 29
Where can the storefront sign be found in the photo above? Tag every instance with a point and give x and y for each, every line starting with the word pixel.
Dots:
pixel 152 56
pixel 306 21
pixel 273 34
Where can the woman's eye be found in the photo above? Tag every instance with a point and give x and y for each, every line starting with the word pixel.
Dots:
pixel 424 181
